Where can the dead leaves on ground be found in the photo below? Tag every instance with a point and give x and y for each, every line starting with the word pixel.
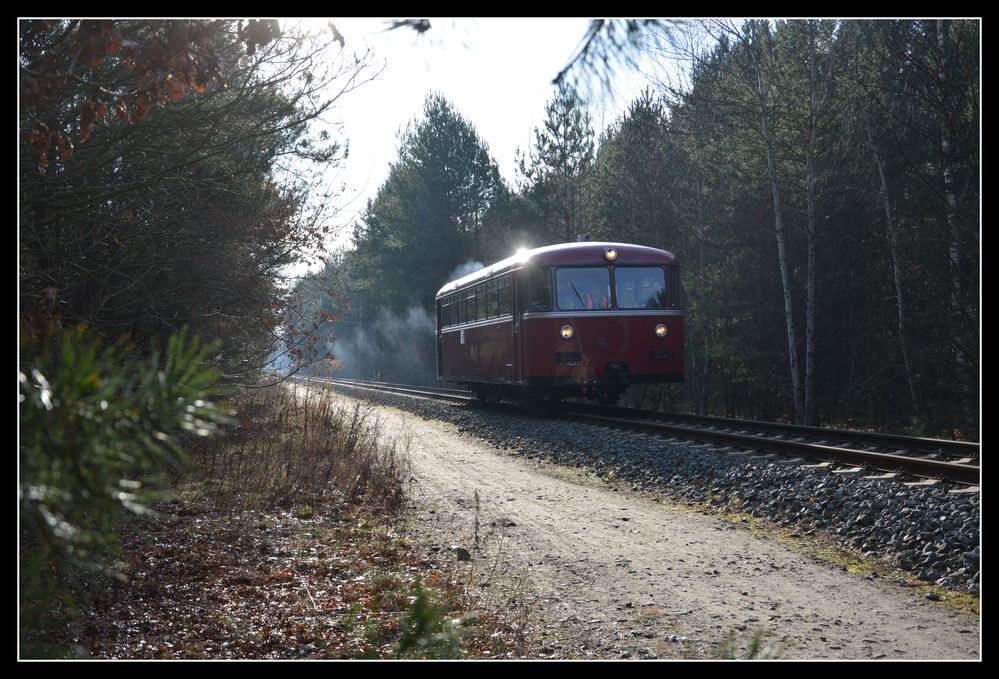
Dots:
pixel 276 585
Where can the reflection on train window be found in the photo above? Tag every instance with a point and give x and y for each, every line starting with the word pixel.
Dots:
pixel 539 294
pixel 583 288
pixel 640 287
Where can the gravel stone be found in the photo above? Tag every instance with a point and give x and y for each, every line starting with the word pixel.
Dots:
pixel 926 530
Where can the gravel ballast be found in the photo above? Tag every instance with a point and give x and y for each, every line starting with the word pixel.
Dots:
pixel 927 530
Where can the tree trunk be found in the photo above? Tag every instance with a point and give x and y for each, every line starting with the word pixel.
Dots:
pixel 955 235
pixel 903 336
pixel 813 110
pixel 958 311
pixel 785 273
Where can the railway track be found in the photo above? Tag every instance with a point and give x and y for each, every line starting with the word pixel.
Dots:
pixel 885 454
pixel 436 393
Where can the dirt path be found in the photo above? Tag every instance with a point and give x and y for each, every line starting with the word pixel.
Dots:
pixel 605 574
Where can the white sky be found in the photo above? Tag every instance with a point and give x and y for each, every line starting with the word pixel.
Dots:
pixel 496 72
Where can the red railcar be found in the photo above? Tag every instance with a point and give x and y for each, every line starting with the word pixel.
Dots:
pixel 576 319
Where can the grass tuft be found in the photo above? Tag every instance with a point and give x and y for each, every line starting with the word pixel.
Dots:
pixel 298 450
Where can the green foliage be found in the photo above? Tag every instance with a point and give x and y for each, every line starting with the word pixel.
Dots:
pixel 637 178
pixel 890 88
pixel 190 213
pixel 99 434
pixel 688 168
pixel 426 632
pixel 556 168
pixel 439 201
pixel 443 204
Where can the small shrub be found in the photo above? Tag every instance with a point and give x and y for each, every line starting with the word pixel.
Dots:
pixel 426 632
pixel 99 428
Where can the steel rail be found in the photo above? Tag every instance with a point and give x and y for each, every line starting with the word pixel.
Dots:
pixel 958 472
pixel 898 442
pixel 432 392
pixel 966 474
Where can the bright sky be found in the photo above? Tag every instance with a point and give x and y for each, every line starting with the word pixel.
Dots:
pixel 496 72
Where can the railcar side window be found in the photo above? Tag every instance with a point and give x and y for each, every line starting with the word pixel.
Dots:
pixel 503 285
pixel 539 294
pixel 470 302
pixel 481 301
pixel 583 288
pixel 640 287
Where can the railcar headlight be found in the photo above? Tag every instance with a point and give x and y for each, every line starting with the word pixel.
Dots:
pixel 610 254
pixel 567 332
pixel 661 330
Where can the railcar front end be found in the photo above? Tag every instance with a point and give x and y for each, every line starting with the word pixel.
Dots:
pixel 577 319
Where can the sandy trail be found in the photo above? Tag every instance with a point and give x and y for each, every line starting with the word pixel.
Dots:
pixel 607 574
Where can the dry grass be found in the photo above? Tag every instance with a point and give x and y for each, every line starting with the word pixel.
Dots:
pixel 297 449
pixel 283 543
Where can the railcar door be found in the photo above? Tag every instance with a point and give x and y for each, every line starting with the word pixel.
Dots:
pixel 442 310
pixel 515 367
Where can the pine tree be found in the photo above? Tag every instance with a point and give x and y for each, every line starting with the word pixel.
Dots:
pixel 556 168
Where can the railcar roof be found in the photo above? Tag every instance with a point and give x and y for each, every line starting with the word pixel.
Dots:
pixel 565 254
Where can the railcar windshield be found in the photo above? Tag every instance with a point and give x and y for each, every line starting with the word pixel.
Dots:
pixel 583 288
pixel 640 287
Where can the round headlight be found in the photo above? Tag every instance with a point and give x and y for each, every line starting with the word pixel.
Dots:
pixel 661 330
pixel 610 254
pixel 567 331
